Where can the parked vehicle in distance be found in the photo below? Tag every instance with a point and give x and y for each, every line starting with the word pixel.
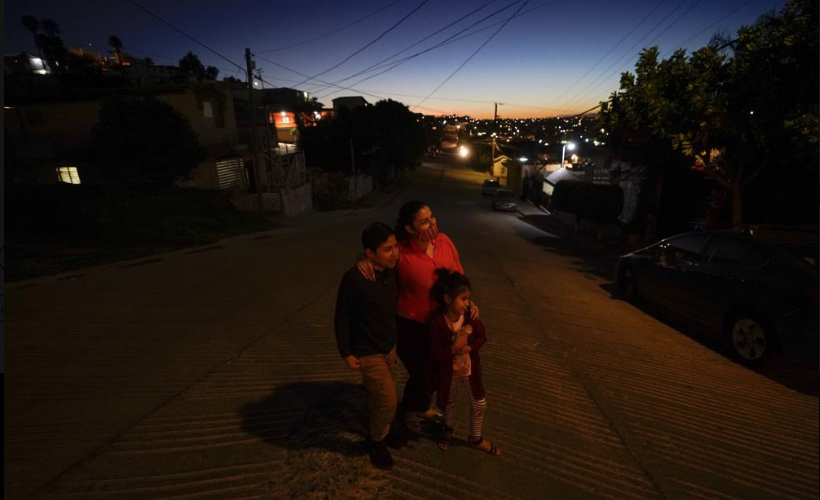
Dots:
pixel 504 200
pixel 490 187
pixel 758 289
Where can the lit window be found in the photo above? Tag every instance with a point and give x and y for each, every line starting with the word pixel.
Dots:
pixel 68 175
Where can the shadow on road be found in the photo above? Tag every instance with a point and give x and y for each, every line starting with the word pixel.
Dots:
pixel 588 261
pixel 796 374
pixel 589 256
pixel 330 416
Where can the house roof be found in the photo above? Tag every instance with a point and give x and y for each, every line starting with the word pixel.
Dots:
pixel 563 174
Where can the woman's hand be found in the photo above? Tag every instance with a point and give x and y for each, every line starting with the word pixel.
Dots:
pixel 473 311
pixel 433 231
pixel 365 266
pixel 464 350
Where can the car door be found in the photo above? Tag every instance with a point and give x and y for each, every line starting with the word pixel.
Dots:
pixel 672 259
pixel 709 287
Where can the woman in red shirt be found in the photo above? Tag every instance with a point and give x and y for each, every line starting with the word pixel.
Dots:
pixel 422 250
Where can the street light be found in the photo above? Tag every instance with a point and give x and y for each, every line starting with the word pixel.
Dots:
pixel 570 146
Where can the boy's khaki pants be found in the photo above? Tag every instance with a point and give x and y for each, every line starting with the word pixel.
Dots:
pixel 379 381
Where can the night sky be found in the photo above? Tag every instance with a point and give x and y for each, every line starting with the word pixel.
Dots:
pixel 553 58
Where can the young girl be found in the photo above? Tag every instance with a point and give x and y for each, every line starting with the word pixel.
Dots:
pixel 455 341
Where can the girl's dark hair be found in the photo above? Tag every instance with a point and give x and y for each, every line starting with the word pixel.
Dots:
pixel 451 283
pixel 407 215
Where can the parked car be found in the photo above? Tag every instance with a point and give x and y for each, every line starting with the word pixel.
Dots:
pixel 504 199
pixel 490 187
pixel 760 291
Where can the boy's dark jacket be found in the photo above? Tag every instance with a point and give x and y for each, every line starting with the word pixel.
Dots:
pixel 440 335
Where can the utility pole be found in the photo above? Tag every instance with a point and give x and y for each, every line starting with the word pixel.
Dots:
pixel 250 65
pixel 352 158
pixel 492 141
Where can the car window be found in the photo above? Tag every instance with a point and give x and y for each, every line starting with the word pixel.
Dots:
pixel 491 182
pixel 730 251
pixel 682 248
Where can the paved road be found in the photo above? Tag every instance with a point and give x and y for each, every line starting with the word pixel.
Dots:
pixel 213 374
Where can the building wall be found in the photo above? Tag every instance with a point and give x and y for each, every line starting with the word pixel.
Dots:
pixel 67 127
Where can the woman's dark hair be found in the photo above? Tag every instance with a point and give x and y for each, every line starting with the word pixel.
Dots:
pixel 407 215
pixel 451 283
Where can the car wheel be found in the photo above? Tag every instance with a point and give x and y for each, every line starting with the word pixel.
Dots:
pixel 750 339
pixel 629 284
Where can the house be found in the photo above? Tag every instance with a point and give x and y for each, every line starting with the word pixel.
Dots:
pixel 65 122
pixel 557 176
pixel 348 103
pixel 51 136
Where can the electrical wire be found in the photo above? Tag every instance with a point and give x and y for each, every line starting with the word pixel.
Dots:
pixel 610 51
pixel 471 55
pixel 413 45
pixel 368 16
pixel 183 33
pixel 452 39
pixel 627 52
pixel 630 60
pixel 419 6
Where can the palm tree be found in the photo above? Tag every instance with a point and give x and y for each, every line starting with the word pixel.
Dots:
pixel 115 43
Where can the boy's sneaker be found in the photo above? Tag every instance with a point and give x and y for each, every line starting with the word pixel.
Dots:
pixel 379 454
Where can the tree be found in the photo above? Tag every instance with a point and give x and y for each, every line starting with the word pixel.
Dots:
pixel 734 112
pixel 191 65
pixel 141 140
pixel 640 120
pixel 32 25
pixel 149 61
pixel 116 44
pixel 758 107
pixel 386 137
pixel 231 79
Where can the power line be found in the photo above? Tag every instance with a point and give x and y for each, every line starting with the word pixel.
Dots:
pixel 369 43
pixel 452 39
pixel 699 33
pixel 611 50
pixel 414 44
pixel 472 55
pixel 196 41
pixel 627 52
pixel 182 32
pixel 368 16
pixel 744 4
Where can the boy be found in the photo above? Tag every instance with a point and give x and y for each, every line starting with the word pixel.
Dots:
pixel 365 323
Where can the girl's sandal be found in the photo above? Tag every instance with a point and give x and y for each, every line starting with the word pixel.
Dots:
pixel 492 450
pixel 444 438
